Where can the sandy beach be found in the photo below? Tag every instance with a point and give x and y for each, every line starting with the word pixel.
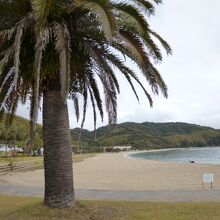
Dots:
pixel 118 172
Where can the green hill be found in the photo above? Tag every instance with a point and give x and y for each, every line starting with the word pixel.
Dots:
pixel 18 133
pixel 149 135
pixel 138 135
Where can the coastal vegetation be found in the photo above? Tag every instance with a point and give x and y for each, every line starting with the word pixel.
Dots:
pixel 25 208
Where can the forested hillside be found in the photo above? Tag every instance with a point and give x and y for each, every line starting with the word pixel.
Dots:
pixel 150 135
pixel 138 135
pixel 18 133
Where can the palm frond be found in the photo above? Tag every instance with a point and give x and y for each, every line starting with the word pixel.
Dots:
pixel 152 48
pixel 8 75
pixel 7 34
pixel 17 43
pixel 94 87
pixel 62 44
pixel 94 111
pixel 158 1
pixel 159 80
pixel 131 17
pixel 122 68
pixel 14 49
pixel 43 38
pixel 14 101
pixel 101 62
pixel 5 103
pixel 7 56
pixel 162 41
pixel 102 10
pixel 76 106
pixel 110 97
pixel 85 97
pixel 128 73
pixel 134 49
pixel 41 10
pixel 146 5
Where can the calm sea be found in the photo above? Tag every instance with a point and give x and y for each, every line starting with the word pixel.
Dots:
pixel 208 155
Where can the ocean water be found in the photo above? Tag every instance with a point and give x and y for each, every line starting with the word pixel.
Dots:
pixel 206 155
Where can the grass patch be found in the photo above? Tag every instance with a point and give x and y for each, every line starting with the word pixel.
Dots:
pixel 39 160
pixel 29 208
pixel 21 159
pixel 36 163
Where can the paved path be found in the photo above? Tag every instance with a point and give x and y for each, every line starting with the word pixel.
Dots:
pixel 149 196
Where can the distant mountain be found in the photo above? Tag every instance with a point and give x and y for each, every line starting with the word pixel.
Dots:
pixel 149 135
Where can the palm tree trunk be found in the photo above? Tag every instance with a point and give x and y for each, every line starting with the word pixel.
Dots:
pixel 59 191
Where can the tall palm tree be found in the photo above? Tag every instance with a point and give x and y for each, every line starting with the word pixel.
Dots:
pixel 59 50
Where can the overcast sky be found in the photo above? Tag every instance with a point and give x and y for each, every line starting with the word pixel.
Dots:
pixel 192 27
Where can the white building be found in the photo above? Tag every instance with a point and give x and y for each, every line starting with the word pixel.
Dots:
pixel 122 148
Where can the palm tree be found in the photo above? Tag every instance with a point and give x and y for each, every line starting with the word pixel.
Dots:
pixel 60 50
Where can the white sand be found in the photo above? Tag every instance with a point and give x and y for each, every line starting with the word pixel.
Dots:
pixel 117 172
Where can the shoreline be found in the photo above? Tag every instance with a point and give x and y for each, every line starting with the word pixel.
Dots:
pixel 129 155
pixel 146 151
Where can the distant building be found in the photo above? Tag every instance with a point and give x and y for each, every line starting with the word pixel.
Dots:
pixel 7 148
pixel 122 148
pixel 116 148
